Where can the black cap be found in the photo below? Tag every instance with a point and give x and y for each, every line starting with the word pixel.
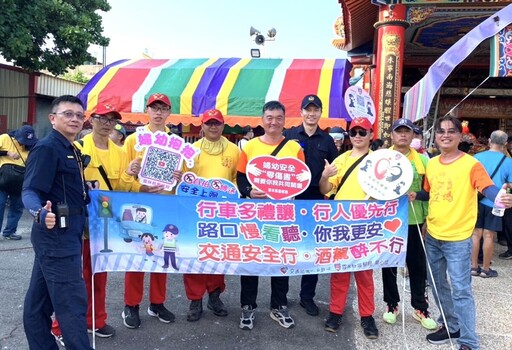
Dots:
pixel 311 99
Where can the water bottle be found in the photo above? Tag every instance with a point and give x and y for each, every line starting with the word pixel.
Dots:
pixel 498 209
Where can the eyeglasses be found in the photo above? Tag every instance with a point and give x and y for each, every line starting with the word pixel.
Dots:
pixel 104 120
pixel 159 109
pixel 70 115
pixel 354 133
pixel 212 123
pixel 447 132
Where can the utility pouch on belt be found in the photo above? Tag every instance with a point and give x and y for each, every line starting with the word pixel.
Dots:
pixel 62 215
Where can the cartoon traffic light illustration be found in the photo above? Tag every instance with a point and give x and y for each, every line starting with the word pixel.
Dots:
pixel 105 212
pixel 105 207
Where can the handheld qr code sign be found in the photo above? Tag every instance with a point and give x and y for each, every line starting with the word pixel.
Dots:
pixel 385 174
pixel 279 178
pixel 359 104
pixel 163 154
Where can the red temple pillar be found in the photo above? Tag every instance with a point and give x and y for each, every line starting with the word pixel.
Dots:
pixel 388 73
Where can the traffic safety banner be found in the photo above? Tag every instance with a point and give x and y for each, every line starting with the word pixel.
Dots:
pixel 200 234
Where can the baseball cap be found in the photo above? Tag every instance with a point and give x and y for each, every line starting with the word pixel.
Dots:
pixel 171 228
pixel 362 123
pixel 214 114
pixel 311 99
pixel 402 122
pixel 158 97
pixel 26 135
pixel 119 128
pixel 106 108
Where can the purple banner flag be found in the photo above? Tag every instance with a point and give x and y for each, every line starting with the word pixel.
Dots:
pixel 418 99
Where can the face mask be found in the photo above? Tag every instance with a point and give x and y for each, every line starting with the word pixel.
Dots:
pixel 416 144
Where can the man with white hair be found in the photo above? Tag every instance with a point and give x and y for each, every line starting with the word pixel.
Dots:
pixel 499 167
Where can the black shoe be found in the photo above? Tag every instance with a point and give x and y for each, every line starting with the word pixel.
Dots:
pixel 195 310
pixel 464 347
pixel 131 317
pixel 441 336
pixel 13 237
pixel 159 310
pixel 310 306
pixel 215 304
pixel 369 327
pixel 106 331
pixel 506 256
pixel 333 322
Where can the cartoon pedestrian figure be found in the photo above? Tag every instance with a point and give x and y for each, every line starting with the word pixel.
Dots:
pixel 398 187
pixel 369 108
pixel 148 241
pixel 170 233
pixel 352 100
pixel 366 165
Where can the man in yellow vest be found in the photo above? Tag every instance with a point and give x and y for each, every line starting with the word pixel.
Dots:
pixel 158 109
pixel 14 149
pixel 218 159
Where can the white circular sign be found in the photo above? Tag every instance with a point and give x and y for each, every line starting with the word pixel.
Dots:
pixel 359 104
pixel 385 174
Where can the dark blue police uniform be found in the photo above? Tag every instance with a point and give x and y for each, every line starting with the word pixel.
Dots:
pixel 317 148
pixel 55 172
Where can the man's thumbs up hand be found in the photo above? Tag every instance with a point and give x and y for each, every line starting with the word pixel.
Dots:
pixel 49 217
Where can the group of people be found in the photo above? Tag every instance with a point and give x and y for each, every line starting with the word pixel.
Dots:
pixel 60 170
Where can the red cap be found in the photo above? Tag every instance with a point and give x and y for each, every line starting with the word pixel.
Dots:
pixel 158 97
pixel 362 123
pixel 106 108
pixel 214 114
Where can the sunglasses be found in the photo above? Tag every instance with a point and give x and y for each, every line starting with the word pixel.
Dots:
pixel 354 133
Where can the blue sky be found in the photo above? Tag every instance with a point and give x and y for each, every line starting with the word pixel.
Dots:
pixel 219 28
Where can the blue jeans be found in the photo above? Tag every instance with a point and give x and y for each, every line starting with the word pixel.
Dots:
pixel 14 214
pixel 457 302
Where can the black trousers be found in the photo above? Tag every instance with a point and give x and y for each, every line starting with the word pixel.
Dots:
pixel 416 263
pixel 308 286
pixel 507 228
pixel 249 291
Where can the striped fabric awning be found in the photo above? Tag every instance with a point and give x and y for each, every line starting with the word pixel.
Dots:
pixel 238 87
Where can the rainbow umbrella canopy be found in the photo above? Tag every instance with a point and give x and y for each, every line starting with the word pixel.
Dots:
pixel 238 87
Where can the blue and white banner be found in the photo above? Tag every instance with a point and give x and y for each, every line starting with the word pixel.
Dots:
pixel 189 234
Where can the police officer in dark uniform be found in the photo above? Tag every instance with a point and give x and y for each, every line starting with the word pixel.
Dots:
pixel 318 146
pixel 55 193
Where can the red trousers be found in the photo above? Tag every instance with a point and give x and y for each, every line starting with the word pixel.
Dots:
pixel 197 284
pixel 134 288
pixel 100 292
pixel 340 283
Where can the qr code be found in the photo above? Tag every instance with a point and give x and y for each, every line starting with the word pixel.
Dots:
pixel 159 165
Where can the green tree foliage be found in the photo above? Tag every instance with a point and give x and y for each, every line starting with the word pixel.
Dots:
pixel 50 34
pixel 77 76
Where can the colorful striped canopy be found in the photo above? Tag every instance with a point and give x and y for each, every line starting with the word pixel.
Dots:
pixel 238 87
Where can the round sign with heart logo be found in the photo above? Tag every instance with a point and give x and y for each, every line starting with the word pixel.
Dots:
pixel 279 178
pixel 385 174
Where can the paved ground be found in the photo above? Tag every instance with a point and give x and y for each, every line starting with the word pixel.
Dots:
pixel 492 296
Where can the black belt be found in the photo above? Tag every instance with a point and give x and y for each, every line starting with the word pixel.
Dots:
pixel 76 211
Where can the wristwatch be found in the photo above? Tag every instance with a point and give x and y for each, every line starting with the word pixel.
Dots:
pixel 37 216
